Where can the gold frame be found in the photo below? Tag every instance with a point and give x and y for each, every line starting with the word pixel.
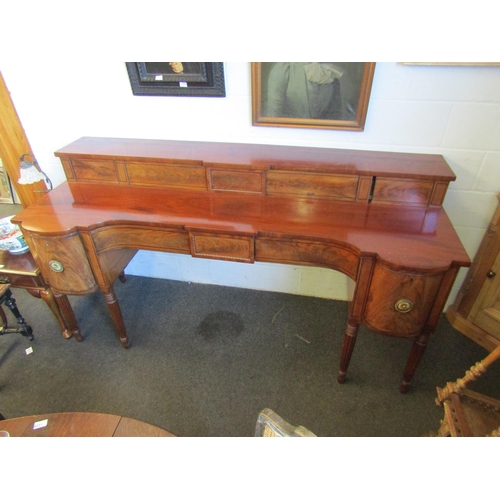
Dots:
pixel 451 63
pixel 356 124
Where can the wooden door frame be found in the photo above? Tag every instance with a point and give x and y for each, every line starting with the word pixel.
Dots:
pixel 13 144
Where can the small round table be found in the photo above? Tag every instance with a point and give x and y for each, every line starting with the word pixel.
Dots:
pixel 80 424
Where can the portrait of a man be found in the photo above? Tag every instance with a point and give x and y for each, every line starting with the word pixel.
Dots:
pixel 311 93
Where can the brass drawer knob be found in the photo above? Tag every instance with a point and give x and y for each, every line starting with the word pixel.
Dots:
pixel 403 305
pixel 56 266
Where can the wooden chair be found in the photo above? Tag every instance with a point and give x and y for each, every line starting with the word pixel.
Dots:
pixel 270 424
pixel 468 413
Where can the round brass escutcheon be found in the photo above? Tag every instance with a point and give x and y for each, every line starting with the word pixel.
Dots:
pixel 56 266
pixel 403 305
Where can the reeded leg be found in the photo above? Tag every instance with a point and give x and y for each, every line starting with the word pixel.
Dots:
pixel 67 314
pixel 116 314
pixel 416 354
pixel 48 297
pixel 348 344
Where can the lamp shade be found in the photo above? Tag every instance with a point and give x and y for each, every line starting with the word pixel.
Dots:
pixel 29 173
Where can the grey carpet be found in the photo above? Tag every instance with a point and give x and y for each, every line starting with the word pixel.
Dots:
pixel 205 359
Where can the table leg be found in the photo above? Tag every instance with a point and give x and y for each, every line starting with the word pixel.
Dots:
pixel 48 298
pixel 416 354
pixel 66 319
pixel 67 313
pixel 116 314
pixel 348 344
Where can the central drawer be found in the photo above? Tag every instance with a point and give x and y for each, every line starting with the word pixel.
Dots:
pixel 222 247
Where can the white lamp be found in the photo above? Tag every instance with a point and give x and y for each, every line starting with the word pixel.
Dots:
pixel 31 173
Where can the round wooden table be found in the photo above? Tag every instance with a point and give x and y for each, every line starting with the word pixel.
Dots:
pixel 80 424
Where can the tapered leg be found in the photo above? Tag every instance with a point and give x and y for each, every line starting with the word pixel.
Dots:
pixel 67 313
pixel 348 344
pixel 416 354
pixel 48 297
pixel 116 314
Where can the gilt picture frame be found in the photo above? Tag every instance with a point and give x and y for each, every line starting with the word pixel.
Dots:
pixel 192 79
pixel 311 95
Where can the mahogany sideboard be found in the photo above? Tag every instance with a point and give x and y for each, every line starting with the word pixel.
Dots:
pixel 376 217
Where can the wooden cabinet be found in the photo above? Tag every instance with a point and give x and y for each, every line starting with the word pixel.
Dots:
pixel 476 311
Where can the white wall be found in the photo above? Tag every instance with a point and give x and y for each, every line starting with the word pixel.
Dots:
pixel 453 111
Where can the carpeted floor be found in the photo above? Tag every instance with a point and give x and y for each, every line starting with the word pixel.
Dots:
pixel 205 359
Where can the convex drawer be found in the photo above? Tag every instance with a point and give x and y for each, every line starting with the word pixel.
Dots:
pixel 64 263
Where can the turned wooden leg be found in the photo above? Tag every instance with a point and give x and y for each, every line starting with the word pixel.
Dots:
pixel 68 316
pixel 48 297
pixel 116 314
pixel 348 344
pixel 416 354
pixel 121 277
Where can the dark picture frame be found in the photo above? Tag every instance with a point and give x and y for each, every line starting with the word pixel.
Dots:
pixel 311 95
pixel 193 79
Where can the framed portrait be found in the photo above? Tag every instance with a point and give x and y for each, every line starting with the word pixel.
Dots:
pixel 324 95
pixel 202 79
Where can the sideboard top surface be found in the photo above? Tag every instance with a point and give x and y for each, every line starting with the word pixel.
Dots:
pixel 342 161
pixel 409 237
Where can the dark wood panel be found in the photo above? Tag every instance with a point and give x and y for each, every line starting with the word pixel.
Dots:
pixel 149 174
pixel 236 181
pixel 336 187
pixel 95 170
pixel 116 237
pixel 223 247
pixel 402 191
pixel 307 253
pixel 76 275
pixel 382 314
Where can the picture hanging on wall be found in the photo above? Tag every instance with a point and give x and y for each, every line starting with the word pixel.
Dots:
pixel 324 95
pixel 193 79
